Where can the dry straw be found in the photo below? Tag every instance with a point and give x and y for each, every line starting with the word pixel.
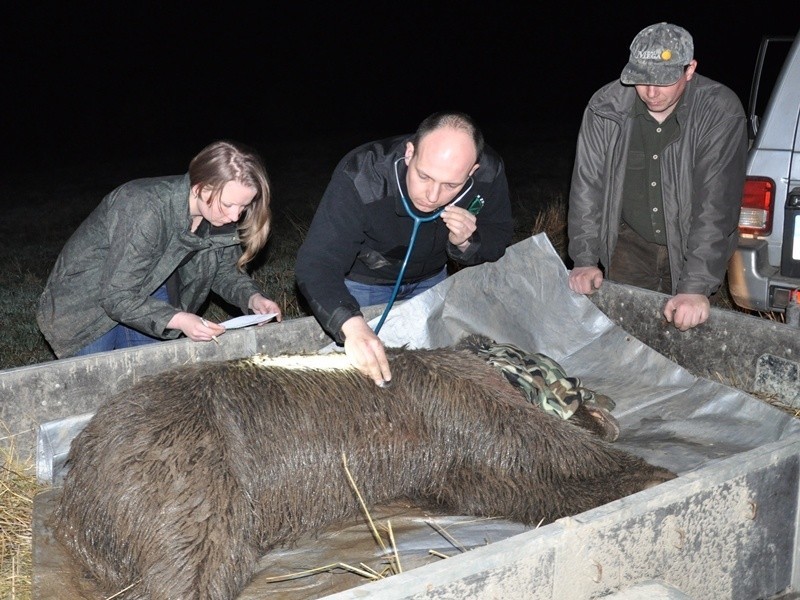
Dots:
pixel 392 556
pixel 18 487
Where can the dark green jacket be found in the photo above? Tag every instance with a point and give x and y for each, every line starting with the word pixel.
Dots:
pixel 125 250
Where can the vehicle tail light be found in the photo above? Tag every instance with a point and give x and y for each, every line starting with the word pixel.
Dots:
pixel 758 200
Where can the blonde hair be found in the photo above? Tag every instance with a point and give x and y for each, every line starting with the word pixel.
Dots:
pixel 224 161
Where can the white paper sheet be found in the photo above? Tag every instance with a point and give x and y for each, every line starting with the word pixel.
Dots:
pixel 247 320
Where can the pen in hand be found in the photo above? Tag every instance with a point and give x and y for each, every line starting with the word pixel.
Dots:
pixel 205 323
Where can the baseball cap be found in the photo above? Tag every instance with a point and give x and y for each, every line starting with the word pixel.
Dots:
pixel 658 55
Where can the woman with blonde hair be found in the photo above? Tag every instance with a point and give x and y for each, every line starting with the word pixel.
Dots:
pixel 143 263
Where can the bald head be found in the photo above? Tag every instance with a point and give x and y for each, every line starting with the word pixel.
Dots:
pixel 451 120
pixel 439 165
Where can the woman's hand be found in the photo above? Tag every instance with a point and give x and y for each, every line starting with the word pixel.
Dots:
pixel 263 306
pixel 195 328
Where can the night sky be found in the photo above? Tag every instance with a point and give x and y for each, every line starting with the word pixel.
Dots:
pixel 85 84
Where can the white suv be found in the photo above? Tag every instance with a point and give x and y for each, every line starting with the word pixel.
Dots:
pixel 764 272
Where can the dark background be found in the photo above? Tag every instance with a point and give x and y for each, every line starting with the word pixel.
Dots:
pixel 91 84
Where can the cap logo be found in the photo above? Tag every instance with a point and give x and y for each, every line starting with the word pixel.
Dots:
pixel 648 54
pixel 654 55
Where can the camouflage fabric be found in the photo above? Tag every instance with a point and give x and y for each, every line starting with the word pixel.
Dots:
pixel 542 380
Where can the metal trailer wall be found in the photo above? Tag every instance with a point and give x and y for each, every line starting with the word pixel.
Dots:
pixel 764 354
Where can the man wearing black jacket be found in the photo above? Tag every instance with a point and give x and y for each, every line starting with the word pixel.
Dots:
pixel 442 186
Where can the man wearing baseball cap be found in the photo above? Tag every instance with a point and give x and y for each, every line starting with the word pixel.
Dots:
pixel 658 177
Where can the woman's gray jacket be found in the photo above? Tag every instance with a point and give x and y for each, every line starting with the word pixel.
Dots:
pixel 702 181
pixel 126 249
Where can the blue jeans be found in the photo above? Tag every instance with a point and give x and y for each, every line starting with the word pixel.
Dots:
pixel 121 336
pixel 370 294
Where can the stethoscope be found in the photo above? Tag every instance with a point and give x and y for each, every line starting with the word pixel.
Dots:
pixel 417 221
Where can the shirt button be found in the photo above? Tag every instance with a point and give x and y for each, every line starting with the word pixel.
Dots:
pixel 658 231
pixel 658 129
pixel 655 156
pixel 653 184
pixel 655 209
